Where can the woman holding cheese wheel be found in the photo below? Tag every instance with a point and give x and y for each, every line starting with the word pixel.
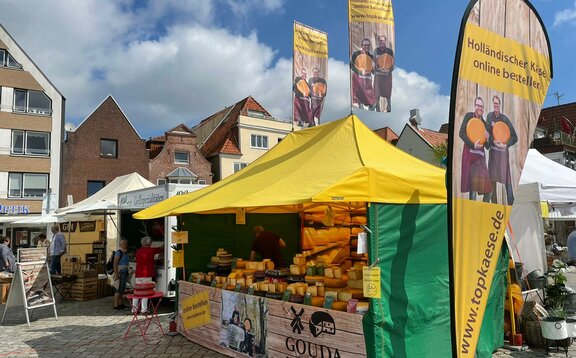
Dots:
pixel 475 178
pixel 502 137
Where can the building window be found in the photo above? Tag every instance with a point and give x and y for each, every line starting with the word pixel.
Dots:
pixel 239 166
pixel 108 148
pixel 161 181
pixel 259 141
pixel 7 60
pixel 28 101
pixel 181 158
pixel 202 182
pixel 27 185
pixel 94 186
pixel 257 114
pixel 30 143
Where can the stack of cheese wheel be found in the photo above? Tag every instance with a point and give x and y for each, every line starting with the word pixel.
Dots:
pixel 144 289
pixel 224 263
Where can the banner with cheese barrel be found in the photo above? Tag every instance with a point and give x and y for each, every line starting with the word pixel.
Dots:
pixel 371 24
pixel 309 75
pixel 501 75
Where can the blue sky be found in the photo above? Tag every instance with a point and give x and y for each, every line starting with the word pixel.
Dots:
pixel 173 61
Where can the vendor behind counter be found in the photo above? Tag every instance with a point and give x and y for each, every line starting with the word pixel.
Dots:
pixel 268 245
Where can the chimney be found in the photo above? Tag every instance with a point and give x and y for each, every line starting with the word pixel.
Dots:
pixel 415 119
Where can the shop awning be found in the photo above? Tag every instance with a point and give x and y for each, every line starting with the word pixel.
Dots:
pixel 339 163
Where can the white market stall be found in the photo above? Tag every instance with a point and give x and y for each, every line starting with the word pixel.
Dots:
pixel 543 182
pixel 133 201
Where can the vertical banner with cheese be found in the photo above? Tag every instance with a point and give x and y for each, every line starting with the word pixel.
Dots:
pixel 501 76
pixel 371 53
pixel 309 75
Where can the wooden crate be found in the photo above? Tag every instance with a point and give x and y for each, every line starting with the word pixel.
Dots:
pixel 102 288
pixel 84 289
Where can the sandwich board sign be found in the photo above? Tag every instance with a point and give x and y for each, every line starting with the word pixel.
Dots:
pixel 31 285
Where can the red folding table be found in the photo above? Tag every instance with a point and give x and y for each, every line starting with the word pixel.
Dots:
pixel 144 322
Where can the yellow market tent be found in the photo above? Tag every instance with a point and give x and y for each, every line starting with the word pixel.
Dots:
pixel 338 162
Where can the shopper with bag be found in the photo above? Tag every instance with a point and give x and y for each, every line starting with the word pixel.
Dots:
pixel 121 273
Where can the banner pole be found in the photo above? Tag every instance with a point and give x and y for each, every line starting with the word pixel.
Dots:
pixel 293 62
pixel 349 54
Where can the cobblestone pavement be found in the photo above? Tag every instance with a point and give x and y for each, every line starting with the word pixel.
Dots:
pixel 89 329
pixel 93 329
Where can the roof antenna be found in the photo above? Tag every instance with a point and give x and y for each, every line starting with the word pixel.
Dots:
pixel 558 96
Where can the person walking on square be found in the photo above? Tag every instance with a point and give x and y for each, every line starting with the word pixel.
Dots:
pixel 6 255
pixel 57 249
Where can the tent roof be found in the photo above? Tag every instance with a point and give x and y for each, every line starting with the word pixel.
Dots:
pixel 107 197
pixel 341 163
pixel 556 182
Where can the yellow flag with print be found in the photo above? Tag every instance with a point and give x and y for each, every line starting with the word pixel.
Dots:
pixel 501 75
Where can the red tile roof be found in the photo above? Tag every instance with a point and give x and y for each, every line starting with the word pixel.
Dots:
pixel 432 137
pixel 224 139
pixel 387 134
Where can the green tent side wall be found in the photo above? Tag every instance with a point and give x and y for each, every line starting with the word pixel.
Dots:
pixel 492 331
pixel 411 243
pixel 207 233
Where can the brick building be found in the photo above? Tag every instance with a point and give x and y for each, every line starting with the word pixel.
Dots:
pixel 105 145
pixel 176 152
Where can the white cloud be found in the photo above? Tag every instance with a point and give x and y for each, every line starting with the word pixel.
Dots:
pixel 185 72
pixel 244 7
pixel 565 16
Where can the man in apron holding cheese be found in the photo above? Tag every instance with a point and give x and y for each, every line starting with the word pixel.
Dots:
pixel 362 65
pixel 384 59
pixel 502 136
pixel 475 178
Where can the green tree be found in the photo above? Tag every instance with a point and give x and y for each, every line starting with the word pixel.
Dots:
pixel 440 151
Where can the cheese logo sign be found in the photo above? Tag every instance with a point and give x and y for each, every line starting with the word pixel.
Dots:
pixel 322 322
pixel 319 322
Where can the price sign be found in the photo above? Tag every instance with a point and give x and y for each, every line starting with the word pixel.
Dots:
pixel 308 299
pixel 328 301
pixel 371 282
pixel 286 296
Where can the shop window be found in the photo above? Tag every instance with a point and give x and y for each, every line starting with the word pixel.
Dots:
pixel 27 185
pixel 239 166
pixel 30 143
pixel 94 186
pixel 7 60
pixel 108 148
pixel 181 158
pixel 161 181
pixel 259 141
pixel 29 101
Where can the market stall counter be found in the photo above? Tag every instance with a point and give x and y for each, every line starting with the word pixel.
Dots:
pixel 247 325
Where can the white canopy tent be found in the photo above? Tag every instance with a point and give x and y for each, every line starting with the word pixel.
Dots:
pixel 542 180
pixel 104 203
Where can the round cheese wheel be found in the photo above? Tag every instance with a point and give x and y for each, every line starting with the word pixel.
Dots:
pixel 145 286
pixel 319 89
pixel 302 86
pixel 364 62
pixel 475 131
pixel 317 301
pixel 501 132
pixel 339 306
pixel 334 282
pixel 313 279
pixel 385 62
